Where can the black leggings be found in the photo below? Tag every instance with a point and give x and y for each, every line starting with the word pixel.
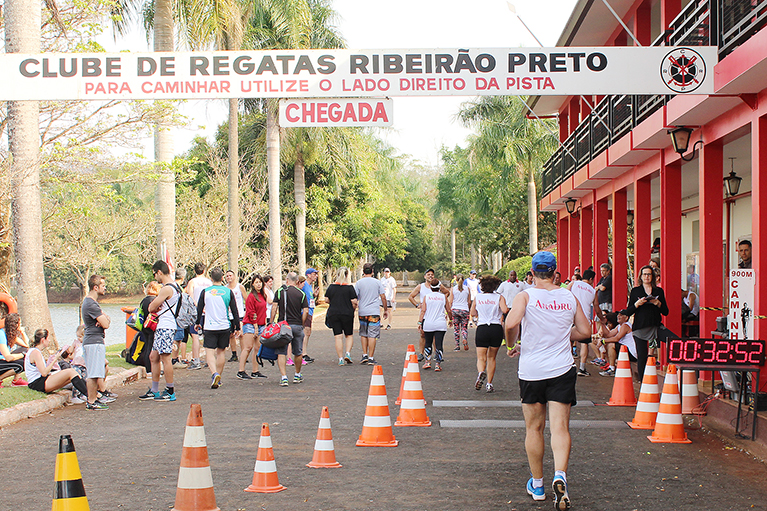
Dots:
pixel 643 347
pixel 437 339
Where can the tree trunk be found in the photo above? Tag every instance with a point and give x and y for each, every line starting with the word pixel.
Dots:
pixel 165 195
pixel 452 247
pixel 299 190
pixel 22 33
pixel 473 257
pixel 234 187
pixel 273 170
pixel 532 212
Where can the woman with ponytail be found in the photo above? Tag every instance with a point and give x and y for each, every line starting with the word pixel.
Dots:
pixel 40 375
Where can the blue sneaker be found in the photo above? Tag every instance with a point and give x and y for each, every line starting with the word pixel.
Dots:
pixel 535 493
pixel 561 498
pixel 215 381
pixel 165 396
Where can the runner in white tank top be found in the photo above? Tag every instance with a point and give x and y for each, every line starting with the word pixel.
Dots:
pixel 433 323
pixel 423 290
pixel 487 309
pixel 460 300
pixel 551 317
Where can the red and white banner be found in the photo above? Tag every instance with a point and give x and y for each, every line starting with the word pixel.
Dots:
pixel 336 112
pixel 560 71
pixel 741 299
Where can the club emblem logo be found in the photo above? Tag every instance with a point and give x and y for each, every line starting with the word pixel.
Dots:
pixel 683 70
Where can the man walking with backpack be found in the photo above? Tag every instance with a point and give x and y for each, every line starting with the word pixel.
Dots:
pixel 292 306
pixel 162 348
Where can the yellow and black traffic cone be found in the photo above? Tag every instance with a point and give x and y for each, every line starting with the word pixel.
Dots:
pixel 69 494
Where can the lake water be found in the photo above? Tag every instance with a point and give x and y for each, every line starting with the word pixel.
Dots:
pixel 65 317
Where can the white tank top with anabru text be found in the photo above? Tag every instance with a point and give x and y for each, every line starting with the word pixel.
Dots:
pixel 546 350
pixel 434 318
pixel 488 309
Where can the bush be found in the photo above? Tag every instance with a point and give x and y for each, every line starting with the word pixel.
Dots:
pixel 521 265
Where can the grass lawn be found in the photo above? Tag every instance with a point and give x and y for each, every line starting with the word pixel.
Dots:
pixel 11 396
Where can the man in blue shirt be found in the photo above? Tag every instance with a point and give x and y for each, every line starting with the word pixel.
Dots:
pixel 311 278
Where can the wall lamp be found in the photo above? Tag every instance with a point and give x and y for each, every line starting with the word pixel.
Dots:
pixel 570 205
pixel 732 182
pixel 680 139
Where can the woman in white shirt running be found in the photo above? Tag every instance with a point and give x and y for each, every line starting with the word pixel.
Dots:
pixel 460 300
pixel 488 310
pixel 432 321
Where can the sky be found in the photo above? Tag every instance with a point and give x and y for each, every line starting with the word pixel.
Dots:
pixel 422 125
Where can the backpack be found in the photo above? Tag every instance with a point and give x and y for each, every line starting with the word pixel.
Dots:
pixel 138 352
pixel 136 319
pixel 186 312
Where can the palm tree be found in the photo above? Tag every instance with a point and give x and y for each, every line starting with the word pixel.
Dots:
pixel 23 19
pixel 507 136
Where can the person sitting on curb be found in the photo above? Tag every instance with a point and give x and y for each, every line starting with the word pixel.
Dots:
pixel 42 377
pixel 617 332
pixel 13 346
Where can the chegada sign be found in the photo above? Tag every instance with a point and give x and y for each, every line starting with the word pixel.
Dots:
pixel 358 73
pixel 336 112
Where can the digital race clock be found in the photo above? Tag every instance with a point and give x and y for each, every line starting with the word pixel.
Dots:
pixel 716 351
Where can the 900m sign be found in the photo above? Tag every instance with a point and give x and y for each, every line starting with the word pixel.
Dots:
pixel 716 351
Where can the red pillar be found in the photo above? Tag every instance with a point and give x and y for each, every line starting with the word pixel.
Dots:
pixel 574 248
pixel 587 238
pixel 643 24
pixel 642 224
pixel 620 261
pixel 758 227
pixel 564 125
pixel 668 11
pixel 573 113
pixel 601 231
pixel 711 218
pixel 671 246
pixel 563 237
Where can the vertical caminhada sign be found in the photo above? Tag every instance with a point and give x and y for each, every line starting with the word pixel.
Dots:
pixel 336 112
pixel 741 300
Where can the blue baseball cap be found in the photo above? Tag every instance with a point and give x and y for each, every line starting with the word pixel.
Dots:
pixel 309 271
pixel 544 261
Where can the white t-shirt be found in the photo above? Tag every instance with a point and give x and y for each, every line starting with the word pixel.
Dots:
pixel 585 295
pixel 488 309
pixel 473 287
pixel 199 284
pixel 239 300
pixel 546 350
pixel 460 299
pixel 628 340
pixel 510 290
pixel 434 318
pixel 270 296
pixel 167 313
pixel 424 290
pixel 389 286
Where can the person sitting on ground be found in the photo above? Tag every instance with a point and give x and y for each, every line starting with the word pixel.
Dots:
pixel 13 346
pixel 72 356
pixel 42 377
pixel 617 331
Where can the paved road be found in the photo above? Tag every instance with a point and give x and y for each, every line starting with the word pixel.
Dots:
pixel 129 455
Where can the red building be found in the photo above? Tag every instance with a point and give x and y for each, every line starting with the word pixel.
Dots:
pixel 625 184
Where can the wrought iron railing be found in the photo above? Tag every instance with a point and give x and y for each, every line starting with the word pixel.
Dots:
pixel 727 26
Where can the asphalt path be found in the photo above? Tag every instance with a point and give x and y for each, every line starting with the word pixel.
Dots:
pixel 472 457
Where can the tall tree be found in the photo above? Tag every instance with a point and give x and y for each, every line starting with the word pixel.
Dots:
pixel 507 136
pixel 23 20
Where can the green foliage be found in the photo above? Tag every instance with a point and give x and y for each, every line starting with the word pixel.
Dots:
pixel 521 265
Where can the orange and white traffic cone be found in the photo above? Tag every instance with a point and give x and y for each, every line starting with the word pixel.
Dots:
pixel 412 411
pixel 265 478
pixel 410 351
pixel 690 396
pixel 668 424
pixel 69 494
pixel 649 399
pixel 195 481
pixel 376 430
pixel 324 451
pixel 623 387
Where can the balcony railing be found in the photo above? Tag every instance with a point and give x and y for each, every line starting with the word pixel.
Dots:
pixel 727 26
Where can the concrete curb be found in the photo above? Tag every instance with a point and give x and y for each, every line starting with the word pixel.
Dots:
pixel 58 399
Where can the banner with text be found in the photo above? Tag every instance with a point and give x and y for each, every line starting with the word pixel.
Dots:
pixel 358 73
pixel 740 318
pixel 336 112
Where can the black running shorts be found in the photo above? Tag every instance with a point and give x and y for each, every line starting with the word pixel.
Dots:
pixel 560 389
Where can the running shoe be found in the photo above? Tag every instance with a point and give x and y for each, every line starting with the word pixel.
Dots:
pixel 194 364
pixel 426 365
pixel 420 357
pixel 258 374
pixel 96 406
pixel 166 396
pixel 371 361
pixel 284 381
pixel 233 358
pixel 341 362
pixel 437 367
pixel 388 327
pixel 457 347
pixel 364 359
pixel 76 400
pixel 308 359
pixel 465 346
pixel 583 372
pixel 290 362
pixel 298 378
pixel 109 393
pixel 535 493
pixel 348 358
pixel 105 400
pixel 18 382
pixel 561 498
pixel 178 364
pixel 242 375
pixel 489 388
pixel 598 362
pixel 608 372
pixel 215 381
pixel 148 395
pixel 480 380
